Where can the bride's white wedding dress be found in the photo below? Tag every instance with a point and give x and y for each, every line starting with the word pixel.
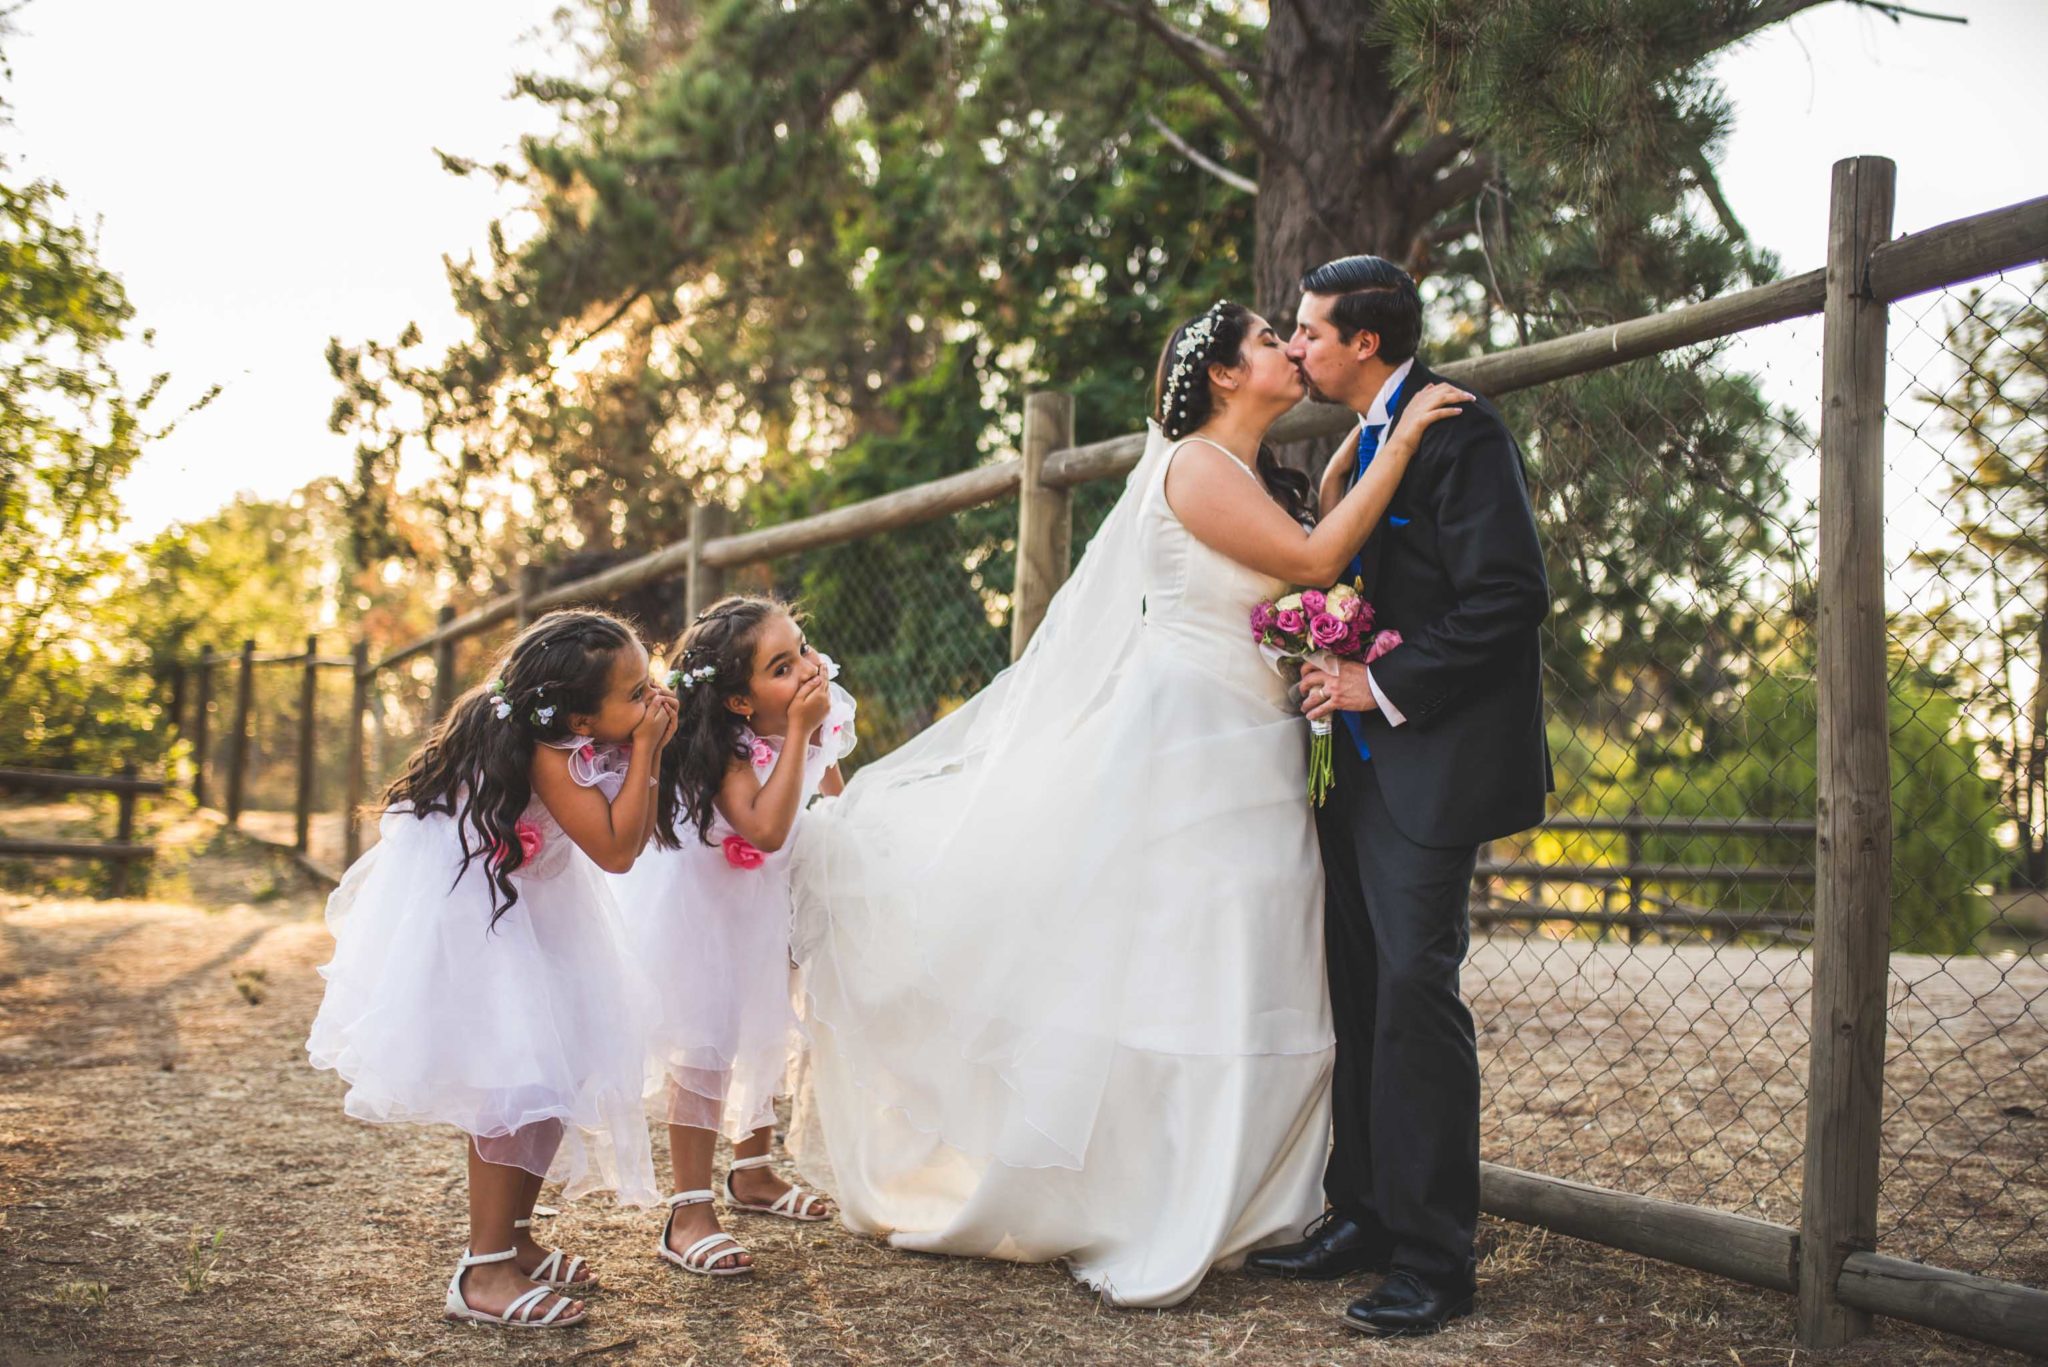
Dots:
pixel 1061 955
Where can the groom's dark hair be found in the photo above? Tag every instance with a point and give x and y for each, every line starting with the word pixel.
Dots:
pixel 1373 295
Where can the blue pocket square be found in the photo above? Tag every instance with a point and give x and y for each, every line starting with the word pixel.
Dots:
pixel 1398 521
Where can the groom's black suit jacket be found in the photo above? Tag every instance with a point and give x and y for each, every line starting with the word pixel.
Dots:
pixel 1455 567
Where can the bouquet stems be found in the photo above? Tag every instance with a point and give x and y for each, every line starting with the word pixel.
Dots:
pixel 1321 771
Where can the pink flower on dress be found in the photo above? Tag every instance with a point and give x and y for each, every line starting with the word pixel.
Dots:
pixel 530 843
pixel 741 854
pixel 1382 643
pixel 1263 618
pixel 763 753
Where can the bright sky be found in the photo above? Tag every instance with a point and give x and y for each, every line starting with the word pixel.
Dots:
pixel 265 175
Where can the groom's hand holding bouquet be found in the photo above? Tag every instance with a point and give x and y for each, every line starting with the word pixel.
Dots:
pixel 1321 627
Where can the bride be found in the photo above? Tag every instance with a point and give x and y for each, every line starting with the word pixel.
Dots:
pixel 1061 955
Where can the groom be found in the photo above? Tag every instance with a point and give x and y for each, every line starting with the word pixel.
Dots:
pixel 1440 749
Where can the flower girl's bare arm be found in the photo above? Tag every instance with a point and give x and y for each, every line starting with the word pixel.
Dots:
pixel 765 813
pixel 612 833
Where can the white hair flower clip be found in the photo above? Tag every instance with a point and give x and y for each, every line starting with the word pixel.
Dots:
pixel 690 678
pixel 501 705
pixel 543 715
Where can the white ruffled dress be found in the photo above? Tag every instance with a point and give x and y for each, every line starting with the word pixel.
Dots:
pixel 710 924
pixel 526 1035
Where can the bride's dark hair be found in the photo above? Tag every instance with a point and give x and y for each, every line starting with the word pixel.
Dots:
pixel 1182 398
pixel 477 764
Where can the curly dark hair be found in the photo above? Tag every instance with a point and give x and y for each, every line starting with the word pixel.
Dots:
pixel 477 766
pixel 1181 408
pixel 708 734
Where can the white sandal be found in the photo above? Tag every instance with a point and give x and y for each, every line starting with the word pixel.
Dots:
pixel 520 1314
pixel 553 1273
pixel 712 1248
pixel 794 1204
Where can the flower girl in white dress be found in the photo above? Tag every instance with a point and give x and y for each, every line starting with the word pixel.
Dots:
pixel 480 976
pixel 761 731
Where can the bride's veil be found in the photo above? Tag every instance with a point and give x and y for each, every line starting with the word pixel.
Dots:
pixel 1086 637
pixel 950 906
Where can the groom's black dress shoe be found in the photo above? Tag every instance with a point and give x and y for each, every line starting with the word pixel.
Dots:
pixel 1335 1245
pixel 1408 1305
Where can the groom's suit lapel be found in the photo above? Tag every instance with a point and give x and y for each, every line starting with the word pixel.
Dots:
pixel 1418 380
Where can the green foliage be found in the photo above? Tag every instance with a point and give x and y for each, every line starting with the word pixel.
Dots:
pixel 1945 815
pixel 1981 600
pixel 256 570
pixel 71 429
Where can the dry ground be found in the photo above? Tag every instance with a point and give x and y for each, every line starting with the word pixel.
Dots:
pixel 153 1093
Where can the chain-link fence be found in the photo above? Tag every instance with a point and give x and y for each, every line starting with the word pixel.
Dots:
pixel 917 619
pixel 1965 1126
pixel 1637 972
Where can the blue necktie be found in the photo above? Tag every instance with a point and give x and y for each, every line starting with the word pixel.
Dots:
pixel 1368 447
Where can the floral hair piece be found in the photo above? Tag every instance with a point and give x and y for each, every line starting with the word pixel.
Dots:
pixel 543 715
pixel 690 678
pixel 1189 353
pixel 500 704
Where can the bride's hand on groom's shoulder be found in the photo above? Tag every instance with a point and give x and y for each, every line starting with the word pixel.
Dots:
pixel 1428 408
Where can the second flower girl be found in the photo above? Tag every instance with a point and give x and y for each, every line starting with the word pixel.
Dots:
pixel 760 731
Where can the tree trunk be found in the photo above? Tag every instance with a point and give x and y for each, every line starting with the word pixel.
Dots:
pixel 1325 95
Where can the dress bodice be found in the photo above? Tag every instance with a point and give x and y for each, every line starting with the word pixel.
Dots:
pixel 1198 601
pixel 591 765
pixel 834 740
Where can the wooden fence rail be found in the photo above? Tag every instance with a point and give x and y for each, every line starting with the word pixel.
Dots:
pixel 123 851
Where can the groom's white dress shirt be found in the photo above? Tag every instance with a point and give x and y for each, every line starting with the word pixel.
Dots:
pixel 1377 416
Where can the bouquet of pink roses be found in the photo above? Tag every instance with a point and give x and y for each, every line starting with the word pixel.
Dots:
pixel 1324 626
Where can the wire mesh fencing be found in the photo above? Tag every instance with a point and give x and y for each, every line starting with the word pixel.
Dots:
pixel 1964 1168
pixel 270 784
pixel 1637 973
pixel 917 619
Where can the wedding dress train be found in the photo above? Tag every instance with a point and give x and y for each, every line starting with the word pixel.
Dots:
pixel 1061 955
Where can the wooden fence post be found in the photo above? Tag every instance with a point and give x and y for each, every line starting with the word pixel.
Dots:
pixel 1045 516
pixel 704 584
pixel 202 704
pixel 309 688
pixel 124 830
pixel 532 579
pixel 1853 849
pixel 352 779
pixel 238 754
pixel 444 667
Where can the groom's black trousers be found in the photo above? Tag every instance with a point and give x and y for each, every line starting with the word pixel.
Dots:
pixel 1405 1102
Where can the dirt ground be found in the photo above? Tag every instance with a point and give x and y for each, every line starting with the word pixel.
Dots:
pixel 177 1186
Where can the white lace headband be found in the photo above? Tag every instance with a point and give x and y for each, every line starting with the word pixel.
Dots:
pixel 1189 355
